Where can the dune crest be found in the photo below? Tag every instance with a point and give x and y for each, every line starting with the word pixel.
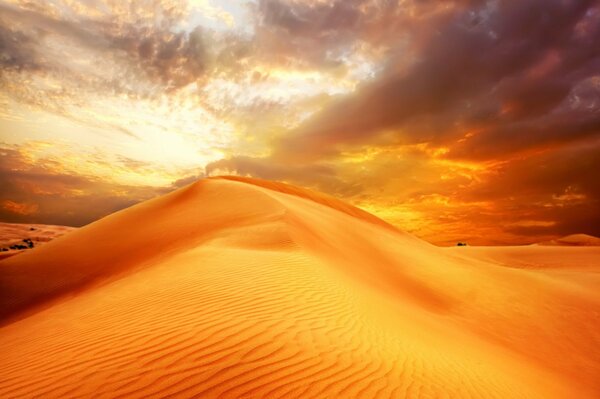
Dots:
pixel 575 240
pixel 317 197
pixel 235 287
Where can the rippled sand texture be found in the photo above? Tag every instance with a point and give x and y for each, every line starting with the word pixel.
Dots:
pixel 242 288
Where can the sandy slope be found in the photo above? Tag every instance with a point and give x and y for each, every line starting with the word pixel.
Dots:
pixel 16 233
pixel 574 240
pixel 229 288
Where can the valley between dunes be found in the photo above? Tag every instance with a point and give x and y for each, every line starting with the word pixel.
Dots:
pixel 240 288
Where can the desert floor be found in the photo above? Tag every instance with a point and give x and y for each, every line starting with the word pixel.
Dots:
pixel 242 288
pixel 16 234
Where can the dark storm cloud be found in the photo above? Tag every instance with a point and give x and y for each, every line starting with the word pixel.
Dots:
pixel 511 85
pixel 547 174
pixel 318 24
pixel 318 34
pixel 550 131
pixel 559 186
pixel 491 65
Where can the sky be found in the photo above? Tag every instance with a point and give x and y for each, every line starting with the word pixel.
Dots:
pixel 458 120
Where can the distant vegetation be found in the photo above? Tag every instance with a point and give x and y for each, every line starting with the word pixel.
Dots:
pixel 28 243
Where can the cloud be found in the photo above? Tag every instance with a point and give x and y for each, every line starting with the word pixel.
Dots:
pixel 20 208
pixel 318 176
pixel 139 44
pixel 511 88
pixel 42 192
pixel 471 120
pixel 16 51
pixel 491 67
pixel 322 33
pixel 556 182
pixel 523 200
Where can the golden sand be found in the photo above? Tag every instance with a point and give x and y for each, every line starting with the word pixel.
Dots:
pixel 241 288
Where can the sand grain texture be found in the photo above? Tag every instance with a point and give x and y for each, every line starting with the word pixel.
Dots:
pixel 240 288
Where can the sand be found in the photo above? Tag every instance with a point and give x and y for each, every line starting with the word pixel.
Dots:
pixel 241 288
pixel 12 234
pixel 574 240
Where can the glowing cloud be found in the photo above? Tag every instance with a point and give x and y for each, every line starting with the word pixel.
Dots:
pixel 455 120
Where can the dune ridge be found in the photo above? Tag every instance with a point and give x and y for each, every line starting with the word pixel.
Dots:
pixel 314 196
pixel 575 240
pixel 234 287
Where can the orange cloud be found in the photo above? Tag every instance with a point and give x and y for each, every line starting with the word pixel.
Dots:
pixel 20 208
pixel 468 121
pixel 42 190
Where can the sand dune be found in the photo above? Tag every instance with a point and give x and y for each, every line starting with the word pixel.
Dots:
pixel 242 288
pixel 16 234
pixel 574 240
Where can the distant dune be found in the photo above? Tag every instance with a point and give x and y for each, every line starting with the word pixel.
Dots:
pixel 574 240
pixel 236 288
pixel 17 235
